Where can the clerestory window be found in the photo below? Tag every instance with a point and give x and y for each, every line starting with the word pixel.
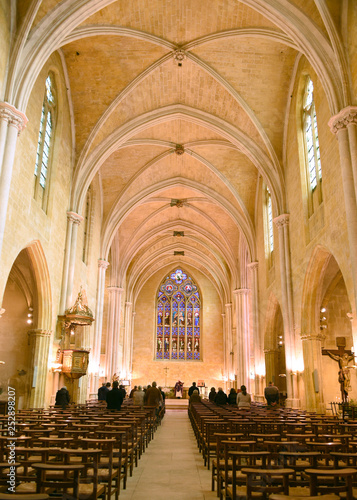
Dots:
pixel 45 142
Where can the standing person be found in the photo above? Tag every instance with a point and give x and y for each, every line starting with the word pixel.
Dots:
pixel 271 394
pixel 243 398
pixel 212 394
pixel 114 397
pixel 132 391
pixel 179 389
pixel 102 391
pixel 232 397
pixel 138 397
pixel 195 397
pixel 192 388
pixel 221 397
pixel 162 395
pixel 123 391
pixel 62 397
pixel 154 398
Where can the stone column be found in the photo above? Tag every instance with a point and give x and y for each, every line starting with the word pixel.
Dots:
pixel 38 370
pixel 282 223
pixel 242 332
pixel 12 122
pixel 311 346
pixel 131 345
pixel 127 339
pixel 97 340
pixel 113 333
pixel 344 126
pixel 230 369
pixel 75 220
pixel 258 341
pixel 270 364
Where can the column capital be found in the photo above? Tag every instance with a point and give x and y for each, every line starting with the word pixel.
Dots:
pixel 73 217
pixel 252 266
pixel 281 220
pixel 37 332
pixel 241 291
pixel 128 304
pixel 345 117
pixel 115 289
pixel 13 116
pixel 103 264
pixel 228 305
pixel 313 336
pixel 134 313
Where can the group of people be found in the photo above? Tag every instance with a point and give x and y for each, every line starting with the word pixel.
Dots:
pixel 241 398
pixel 114 397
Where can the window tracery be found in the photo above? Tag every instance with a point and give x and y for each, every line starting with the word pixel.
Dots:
pixel 178 318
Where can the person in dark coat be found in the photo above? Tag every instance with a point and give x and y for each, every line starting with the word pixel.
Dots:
pixel 232 397
pixel 102 391
pixel 271 394
pixel 212 394
pixel 221 397
pixel 62 397
pixel 192 388
pixel 114 397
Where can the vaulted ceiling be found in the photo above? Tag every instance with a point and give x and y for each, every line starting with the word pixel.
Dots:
pixel 179 107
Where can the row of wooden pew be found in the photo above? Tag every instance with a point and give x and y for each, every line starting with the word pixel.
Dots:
pixel 264 453
pixel 84 452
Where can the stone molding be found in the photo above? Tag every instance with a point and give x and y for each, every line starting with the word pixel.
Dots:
pixel 103 264
pixel 228 305
pixel 13 116
pixel 312 336
pixel 343 119
pixel 281 220
pixel 39 333
pixel 252 266
pixel 74 217
pixel 179 56
pixel 241 291
pixel 115 289
pixel 128 304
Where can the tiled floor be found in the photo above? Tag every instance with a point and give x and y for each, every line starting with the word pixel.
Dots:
pixel 171 467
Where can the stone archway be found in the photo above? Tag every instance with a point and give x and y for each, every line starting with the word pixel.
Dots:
pixel 325 305
pixel 25 327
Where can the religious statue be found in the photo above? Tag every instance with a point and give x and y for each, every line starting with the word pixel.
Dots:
pixel 179 389
pixel 344 376
pixel 115 377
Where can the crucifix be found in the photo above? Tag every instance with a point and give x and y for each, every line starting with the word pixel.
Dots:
pixel 343 357
pixel 166 369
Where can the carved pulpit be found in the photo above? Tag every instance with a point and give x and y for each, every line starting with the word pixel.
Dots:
pixel 343 357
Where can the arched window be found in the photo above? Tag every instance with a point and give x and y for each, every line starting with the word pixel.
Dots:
pixel 45 142
pixel 312 147
pixel 269 225
pixel 178 318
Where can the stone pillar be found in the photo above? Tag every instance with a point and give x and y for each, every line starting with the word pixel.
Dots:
pixel 73 221
pixel 12 122
pixel 282 223
pixel 270 365
pixel 230 369
pixel 131 345
pixel 127 339
pixel 258 341
pixel 97 340
pixel 39 355
pixel 113 333
pixel 311 346
pixel 242 332
pixel 344 126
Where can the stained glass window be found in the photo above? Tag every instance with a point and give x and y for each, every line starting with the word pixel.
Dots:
pixel 311 136
pixel 178 318
pixel 45 141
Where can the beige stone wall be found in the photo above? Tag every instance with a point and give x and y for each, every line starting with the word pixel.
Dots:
pixel 5 20
pixel 146 369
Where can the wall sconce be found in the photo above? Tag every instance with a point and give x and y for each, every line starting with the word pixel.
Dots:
pixel 30 315
pixel 323 319
pixel 280 341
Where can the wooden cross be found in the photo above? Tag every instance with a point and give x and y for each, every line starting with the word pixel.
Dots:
pixel 166 369
pixel 343 357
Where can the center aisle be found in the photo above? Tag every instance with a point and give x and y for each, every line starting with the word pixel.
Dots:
pixel 171 467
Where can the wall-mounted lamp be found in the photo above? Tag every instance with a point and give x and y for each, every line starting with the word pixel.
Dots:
pixel 323 319
pixel 30 315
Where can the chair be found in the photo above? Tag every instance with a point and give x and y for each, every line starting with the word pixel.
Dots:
pixel 20 496
pixel 267 481
pixel 342 481
pixel 292 497
pixel 59 478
